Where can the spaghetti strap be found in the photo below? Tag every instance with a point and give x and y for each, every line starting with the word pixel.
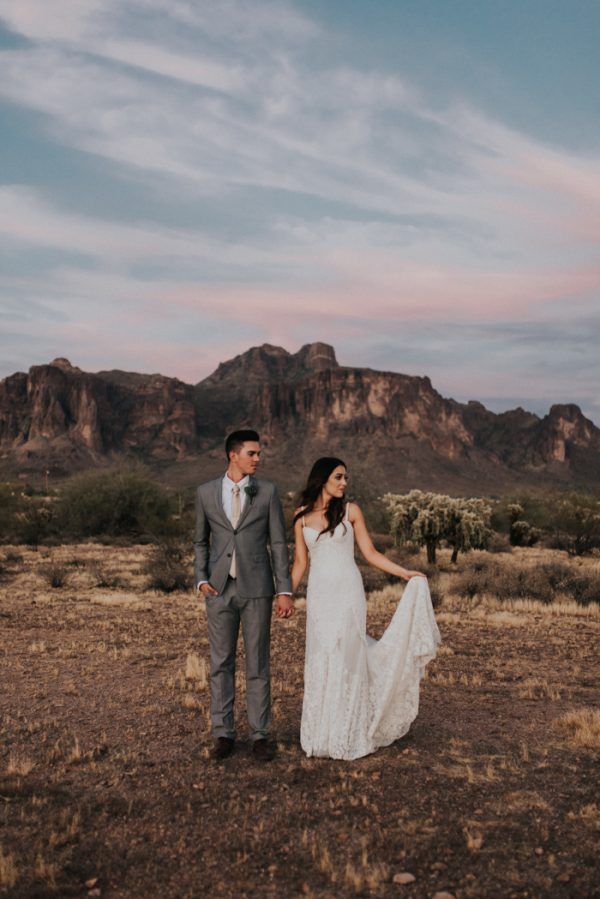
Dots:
pixel 347 515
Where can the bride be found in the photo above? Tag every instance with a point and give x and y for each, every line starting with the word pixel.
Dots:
pixel 359 693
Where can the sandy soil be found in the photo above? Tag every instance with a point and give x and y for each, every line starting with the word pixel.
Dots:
pixel 107 788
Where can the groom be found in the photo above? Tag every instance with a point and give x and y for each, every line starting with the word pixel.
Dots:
pixel 236 517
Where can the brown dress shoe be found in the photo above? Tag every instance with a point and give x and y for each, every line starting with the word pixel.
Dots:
pixel 263 750
pixel 223 747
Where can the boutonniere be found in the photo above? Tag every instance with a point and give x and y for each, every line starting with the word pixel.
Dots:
pixel 251 490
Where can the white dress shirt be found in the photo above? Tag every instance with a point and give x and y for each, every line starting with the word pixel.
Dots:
pixel 227 494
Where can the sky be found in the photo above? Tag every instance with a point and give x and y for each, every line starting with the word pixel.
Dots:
pixel 416 182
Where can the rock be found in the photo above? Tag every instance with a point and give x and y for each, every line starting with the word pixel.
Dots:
pixel 404 877
pixel 443 895
pixel 61 418
pixel 91 882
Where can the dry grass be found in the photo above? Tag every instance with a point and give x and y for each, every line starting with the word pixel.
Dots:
pixel 8 870
pixel 539 688
pixel 19 764
pixel 196 670
pixel 582 728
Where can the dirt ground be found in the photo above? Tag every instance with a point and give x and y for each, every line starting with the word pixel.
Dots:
pixel 107 788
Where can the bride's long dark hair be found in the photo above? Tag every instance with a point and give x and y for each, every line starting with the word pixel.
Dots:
pixel 318 477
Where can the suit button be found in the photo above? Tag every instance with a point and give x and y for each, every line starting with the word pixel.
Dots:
pixel 235 532
pixel 228 555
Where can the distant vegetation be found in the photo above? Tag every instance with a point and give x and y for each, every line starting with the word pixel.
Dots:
pixel 126 504
pixel 119 504
pixel 430 519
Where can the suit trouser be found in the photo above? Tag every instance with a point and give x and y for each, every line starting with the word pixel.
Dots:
pixel 225 613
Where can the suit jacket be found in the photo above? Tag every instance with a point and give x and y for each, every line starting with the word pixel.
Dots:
pixel 261 525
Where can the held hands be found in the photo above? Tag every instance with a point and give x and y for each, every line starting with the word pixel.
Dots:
pixel 285 606
pixel 406 574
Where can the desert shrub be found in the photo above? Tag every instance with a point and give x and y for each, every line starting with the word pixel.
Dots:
pixel 55 574
pixel 119 502
pixel 382 542
pixel 479 576
pixel 583 586
pixel 542 582
pixel 7 564
pixel 168 567
pixel 437 597
pixel 102 577
pixel 499 543
pixel 523 534
pixel 12 557
pixel 34 524
pixel 535 509
pixel 575 524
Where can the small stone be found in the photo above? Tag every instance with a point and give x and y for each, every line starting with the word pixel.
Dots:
pixel 538 850
pixel 444 895
pixel 438 866
pixel 564 877
pixel 95 892
pixel 91 882
pixel 404 877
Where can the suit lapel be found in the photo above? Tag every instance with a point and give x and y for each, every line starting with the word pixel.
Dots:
pixel 248 503
pixel 219 502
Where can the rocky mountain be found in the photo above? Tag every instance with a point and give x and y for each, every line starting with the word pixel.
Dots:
pixel 394 431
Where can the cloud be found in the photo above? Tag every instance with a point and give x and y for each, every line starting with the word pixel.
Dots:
pixel 351 200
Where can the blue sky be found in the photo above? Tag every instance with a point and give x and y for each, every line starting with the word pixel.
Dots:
pixel 417 183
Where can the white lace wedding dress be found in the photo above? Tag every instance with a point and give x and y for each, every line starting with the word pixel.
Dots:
pixel 359 693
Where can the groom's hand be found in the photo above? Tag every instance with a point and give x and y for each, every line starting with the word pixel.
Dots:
pixel 208 589
pixel 285 606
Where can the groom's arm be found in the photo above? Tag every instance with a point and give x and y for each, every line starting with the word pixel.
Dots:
pixel 278 542
pixel 201 542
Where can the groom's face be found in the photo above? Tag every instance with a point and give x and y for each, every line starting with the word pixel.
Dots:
pixel 247 458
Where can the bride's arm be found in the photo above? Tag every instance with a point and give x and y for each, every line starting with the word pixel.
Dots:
pixel 300 556
pixel 374 558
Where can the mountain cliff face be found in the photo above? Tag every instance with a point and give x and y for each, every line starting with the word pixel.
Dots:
pixel 395 430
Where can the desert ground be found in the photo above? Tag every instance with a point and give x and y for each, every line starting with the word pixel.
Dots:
pixel 107 787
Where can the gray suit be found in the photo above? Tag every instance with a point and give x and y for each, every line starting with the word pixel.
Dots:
pixel 246 599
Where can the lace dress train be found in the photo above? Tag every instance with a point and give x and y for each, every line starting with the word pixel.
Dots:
pixel 359 693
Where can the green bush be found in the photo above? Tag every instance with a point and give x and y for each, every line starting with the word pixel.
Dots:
pixel 121 502
pixel 575 524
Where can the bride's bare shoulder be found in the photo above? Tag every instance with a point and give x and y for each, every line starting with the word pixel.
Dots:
pixel 354 512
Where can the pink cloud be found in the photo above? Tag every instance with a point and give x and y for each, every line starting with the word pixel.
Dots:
pixel 373 287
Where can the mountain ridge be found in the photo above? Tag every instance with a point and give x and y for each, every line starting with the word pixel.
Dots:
pixel 397 430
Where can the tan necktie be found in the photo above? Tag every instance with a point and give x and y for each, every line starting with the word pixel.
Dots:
pixel 236 511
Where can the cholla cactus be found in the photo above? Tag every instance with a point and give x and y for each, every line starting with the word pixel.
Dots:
pixel 429 518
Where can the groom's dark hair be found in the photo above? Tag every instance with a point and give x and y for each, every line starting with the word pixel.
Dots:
pixel 236 440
